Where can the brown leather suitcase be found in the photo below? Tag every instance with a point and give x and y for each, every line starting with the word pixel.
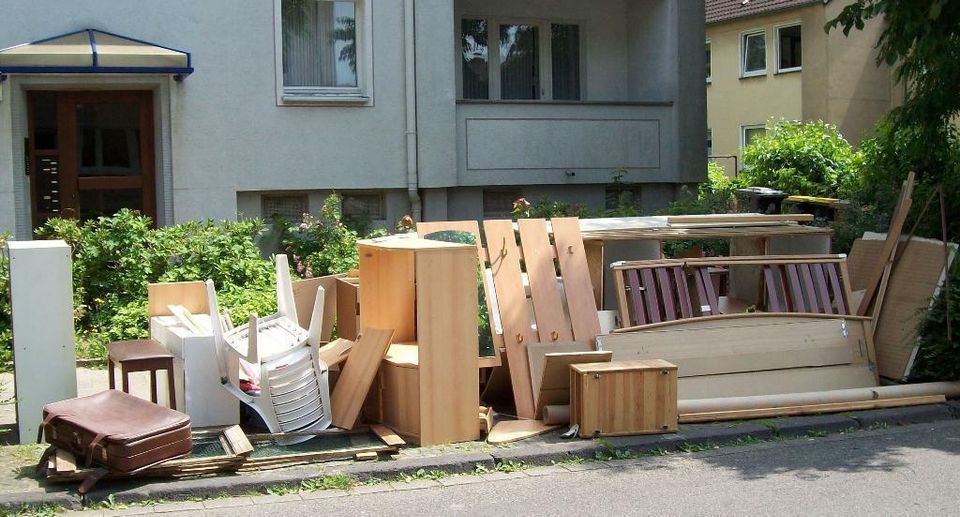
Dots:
pixel 116 430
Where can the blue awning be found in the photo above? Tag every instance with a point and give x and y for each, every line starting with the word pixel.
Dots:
pixel 92 51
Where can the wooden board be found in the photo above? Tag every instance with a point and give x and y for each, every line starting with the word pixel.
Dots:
pixel 739 347
pixel 348 308
pixel 738 218
pixel 305 295
pixel 576 278
pixel 388 290
pixel 357 375
pixel 335 352
pixel 447 342
pixel 191 295
pixel 538 256
pixel 514 310
pixel 509 431
pixel 623 397
pixel 775 382
pixel 835 407
pixel 597 268
pixel 387 435
pixel 537 351
pixel 554 383
pixel 889 246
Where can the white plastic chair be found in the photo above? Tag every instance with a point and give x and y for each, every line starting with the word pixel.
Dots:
pixel 294 391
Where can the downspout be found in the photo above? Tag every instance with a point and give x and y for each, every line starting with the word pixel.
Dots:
pixel 410 89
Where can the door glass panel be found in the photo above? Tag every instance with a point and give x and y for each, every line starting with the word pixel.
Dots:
pixel 108 139
pixel 519 62
pixel 44 112
pixel 96 203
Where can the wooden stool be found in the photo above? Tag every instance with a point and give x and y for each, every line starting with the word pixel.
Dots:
pixel 142 355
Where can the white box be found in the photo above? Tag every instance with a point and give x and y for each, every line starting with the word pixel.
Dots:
pixel 197 374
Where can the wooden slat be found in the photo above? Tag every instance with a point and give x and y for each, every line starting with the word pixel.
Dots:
pixel 666 294
pixel 811 409
pixel 514 311
pixel 889 245
pixel 538 256
pixel 636 297
pixel 650 296
pixel 680 279
pixel 822 290
pixel 239 444
pixel 796 293
pixel 738 218
pixel 335 352
pixel 775 382
pixel 509 431
pixel 357 375
pixel 576 278
pixel 387 435
pixel 809 290
pixel 773 293
pixel 622 304
pixel 705 290
pixel 838 293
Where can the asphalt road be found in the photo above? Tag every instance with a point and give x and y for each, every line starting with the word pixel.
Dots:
pixel 913 470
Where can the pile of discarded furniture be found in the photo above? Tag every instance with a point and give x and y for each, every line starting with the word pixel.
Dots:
pixel 780 327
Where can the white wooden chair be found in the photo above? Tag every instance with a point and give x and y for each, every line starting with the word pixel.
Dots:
pixel 294 392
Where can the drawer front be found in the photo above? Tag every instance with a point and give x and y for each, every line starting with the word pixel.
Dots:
pixel 614 403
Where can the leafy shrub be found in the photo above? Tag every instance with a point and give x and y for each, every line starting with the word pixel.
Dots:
pixel 938 358
pixel 322 245
pixel 810 159
pixel 714 196
pixel 6 332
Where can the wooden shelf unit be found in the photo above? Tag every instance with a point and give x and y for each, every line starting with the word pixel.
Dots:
pixel 427 388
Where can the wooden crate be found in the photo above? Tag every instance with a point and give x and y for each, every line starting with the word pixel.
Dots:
pixel 624 397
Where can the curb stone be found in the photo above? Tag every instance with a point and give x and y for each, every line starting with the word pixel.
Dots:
pixel 536 453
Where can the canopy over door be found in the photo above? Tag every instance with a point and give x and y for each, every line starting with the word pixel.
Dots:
pixel 94 51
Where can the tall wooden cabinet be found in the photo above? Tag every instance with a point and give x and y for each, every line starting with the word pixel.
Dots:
pixel 428 385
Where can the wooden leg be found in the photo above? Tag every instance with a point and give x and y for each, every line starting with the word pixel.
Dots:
pixel 111 369
pixel 171 389
pixel 126 378
pixel 153 386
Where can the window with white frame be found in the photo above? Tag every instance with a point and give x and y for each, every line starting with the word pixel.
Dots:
pixel 531 60
pixel 789 48
pixel 749 134
pixel 753 53
pixel 709 62
pixel 323 49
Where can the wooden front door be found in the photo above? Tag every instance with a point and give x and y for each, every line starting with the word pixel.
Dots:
pixel 90 154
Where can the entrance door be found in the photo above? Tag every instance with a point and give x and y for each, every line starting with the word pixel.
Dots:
pixel 90 154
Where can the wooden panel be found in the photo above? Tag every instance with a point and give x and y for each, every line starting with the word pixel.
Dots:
pixel 357 376
pixel 889 246
pixel 348 309
pixel 514 311
pixel 597 268
pixel 636 298
pixel 509 431
pixel 335 352
pixel 387 290
pixel 576 278
pixel 400 399
pixel 729 349
pixel 191 295
pixel 811 409
pixel 554 382
pixel 536 353
pixel 305 295
pixel 625 397
pixel 447 328
pixel 538 255
pixel 650 295
pixel 775 382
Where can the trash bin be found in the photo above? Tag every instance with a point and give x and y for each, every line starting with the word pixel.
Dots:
pixel 762 200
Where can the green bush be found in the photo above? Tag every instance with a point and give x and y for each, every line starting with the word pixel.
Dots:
pixel 808 159
pixel 938 358
pixel 6 332
pixel 322 245
pixel 714 196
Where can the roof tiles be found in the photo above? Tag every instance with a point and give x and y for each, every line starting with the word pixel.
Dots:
pixel 723 10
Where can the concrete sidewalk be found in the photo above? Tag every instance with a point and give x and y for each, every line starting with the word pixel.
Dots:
pixel 18 486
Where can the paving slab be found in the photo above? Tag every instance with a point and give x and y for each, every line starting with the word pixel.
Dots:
pixel 371 489
pixel 416 484
pixel 323 494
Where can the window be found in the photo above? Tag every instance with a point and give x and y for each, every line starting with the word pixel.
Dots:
pixel 530 61
pixel 749 134
pixel 323 48
pixel 789 48
pixel 498 204
pixel 709 62
pixel 753 54
pixel 616 196
pixel 363 207
pixel 289 207
pixel 709 142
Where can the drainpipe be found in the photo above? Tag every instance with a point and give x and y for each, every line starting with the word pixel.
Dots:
pixel 410 88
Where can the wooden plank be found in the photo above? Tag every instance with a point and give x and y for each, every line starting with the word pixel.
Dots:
pixel 509 431
pixel 538 255
pixel 796 292
pixel 348 308
pixel 514 311
pixel 834 407
pixel 388 290
pixel 839 295
pixel 555 380
pixel 809 290
pixel 723 349
pixel 623 310
pixel 536 355
pixel 304 296
pixel 191 295
pixel 64 462
pixel 680 279
pixel 650 296
pixel 822 290
pixel 237 440
pixel 666 294
pixel 357 375
pixel 773 293
pixel 335 352
pixel 739 218
pixel 448 343
pixel 387 435
pixel 705 288
pixel 636 298
pixel 597 268
pixel 774 382
pixel 889 245
pixel 576 278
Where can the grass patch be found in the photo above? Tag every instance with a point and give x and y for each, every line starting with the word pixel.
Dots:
pixel 572 460
pixel 373 481
pixel 43 510
pixel 508 466
pixel 331 482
